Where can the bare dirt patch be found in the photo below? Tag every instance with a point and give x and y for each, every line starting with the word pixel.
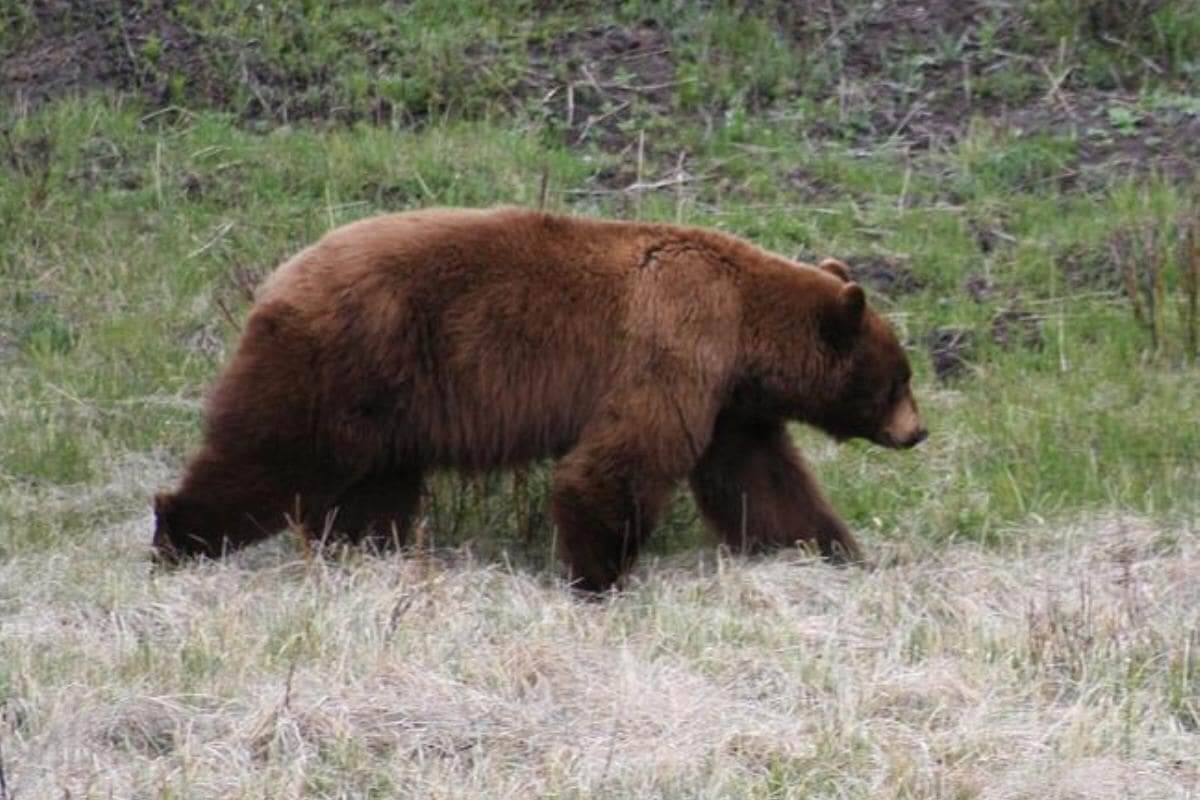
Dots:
pixel 1090 266
pixel 1015 327
pixel 925 103
pixel 1124 260
pixel 156 52
pixel 815 188
pixel 588 81
pixel 918 73
pixel 889 276
pixel 78 45
pixel 951 349
pixel 1115 132
pixel 911 73
pixel 593 80
pixel 980 288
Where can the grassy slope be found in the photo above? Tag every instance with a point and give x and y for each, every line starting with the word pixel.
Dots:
pixel 135 215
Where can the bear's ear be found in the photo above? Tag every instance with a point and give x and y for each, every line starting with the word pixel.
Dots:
pixel 837 269
pixel 845 318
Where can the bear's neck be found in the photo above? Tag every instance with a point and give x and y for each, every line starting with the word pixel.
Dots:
pixel 788 367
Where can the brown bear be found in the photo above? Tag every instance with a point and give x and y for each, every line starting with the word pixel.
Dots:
pixel 636 355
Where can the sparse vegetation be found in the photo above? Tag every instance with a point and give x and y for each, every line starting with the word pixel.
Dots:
pixel 1017 184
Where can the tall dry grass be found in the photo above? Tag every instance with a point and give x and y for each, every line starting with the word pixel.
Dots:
pixel 1065 668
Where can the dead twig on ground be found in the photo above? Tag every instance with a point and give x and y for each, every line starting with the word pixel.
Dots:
pixel 1191 287
pixel 642 187
pixel 594 120
pixel 544 188
pixel 227 315
pixel 225 228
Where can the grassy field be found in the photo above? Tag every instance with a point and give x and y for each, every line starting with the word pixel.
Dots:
pixel 1016 183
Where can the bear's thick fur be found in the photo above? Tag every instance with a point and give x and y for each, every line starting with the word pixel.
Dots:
pixel 637 355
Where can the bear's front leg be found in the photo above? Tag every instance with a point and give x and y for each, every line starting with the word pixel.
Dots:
pixel 752 486
pixel 375 512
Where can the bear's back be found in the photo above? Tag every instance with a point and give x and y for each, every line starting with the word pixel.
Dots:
pixel 494 335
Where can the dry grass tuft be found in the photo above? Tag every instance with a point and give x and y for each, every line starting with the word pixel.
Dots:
pixel 1065 671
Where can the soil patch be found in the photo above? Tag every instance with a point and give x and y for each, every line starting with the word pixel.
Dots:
pixel 593 80
pixel 149 50
pixel 589 81
pixel 1090 267
pixel 1016 327
pixel 1116 132
pixel 913 74
pixel 980 288
pixel 886 275
pixel 918 73
pixel 78 45
pixel 1126 255
pixel 814 188
pixel 903 67
pixel 950 350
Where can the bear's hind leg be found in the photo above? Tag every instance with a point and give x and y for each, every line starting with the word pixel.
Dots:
pixel 754 488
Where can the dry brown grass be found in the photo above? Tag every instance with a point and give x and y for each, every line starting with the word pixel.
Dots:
pixel 1067 670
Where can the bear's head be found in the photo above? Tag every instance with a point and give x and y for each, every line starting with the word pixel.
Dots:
pixel 869 374
pixel 172 519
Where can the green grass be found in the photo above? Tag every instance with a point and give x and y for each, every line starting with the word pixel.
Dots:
pixel 123 246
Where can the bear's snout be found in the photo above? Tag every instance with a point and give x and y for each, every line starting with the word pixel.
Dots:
pixel 904 442
pixel 904 428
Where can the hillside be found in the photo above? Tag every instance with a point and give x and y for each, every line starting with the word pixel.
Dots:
pixel 1015 182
